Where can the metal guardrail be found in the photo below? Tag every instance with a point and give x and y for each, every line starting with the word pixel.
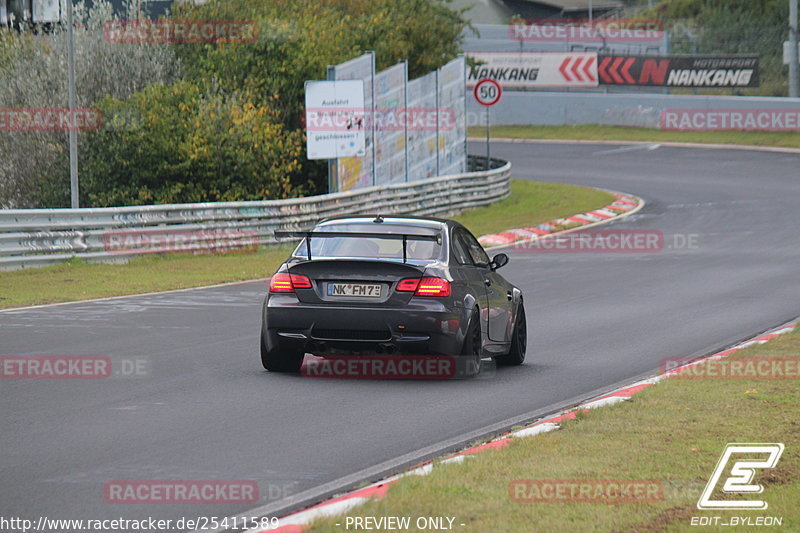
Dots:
pixel 37 237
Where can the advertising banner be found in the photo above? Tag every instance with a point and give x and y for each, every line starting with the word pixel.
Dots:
pixel 695 71
pixel 524 70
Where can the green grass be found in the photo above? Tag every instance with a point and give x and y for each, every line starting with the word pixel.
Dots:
pixel 78 280
pixel 618 133
pixel 531 203
pixel 673 432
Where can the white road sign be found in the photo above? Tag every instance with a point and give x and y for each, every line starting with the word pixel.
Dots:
pixel 335 119
pixel 487 92
pixel 46 11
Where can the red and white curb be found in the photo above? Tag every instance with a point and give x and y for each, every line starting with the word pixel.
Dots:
pixel 624 205
pixel 296 522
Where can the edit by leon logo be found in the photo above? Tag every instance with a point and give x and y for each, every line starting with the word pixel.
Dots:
pixel 740 476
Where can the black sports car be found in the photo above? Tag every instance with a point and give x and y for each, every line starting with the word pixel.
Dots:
pixel 396 285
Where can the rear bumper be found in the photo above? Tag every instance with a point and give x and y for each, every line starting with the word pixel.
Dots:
pixel 426 327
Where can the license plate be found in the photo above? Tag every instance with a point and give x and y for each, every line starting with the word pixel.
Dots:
pixel 369 290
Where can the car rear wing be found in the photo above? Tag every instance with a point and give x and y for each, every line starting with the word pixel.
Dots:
pixel 405 237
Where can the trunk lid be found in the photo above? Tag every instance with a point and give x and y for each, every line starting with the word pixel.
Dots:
pixel 355 283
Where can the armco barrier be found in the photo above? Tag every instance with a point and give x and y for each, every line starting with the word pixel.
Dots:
pixel 36 237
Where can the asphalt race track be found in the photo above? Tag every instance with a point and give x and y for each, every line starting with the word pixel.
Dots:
pixel 206 410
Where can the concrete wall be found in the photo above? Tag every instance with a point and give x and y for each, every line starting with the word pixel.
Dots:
pixel 642 110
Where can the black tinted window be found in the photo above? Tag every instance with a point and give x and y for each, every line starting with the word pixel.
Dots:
pixel 460 248
pixel 474 248
pixel 372 248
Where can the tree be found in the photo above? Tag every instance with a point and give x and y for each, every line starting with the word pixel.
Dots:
pixel 298 39
pixel 34 168
pixel 731 27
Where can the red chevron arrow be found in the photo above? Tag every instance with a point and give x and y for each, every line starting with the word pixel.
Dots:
pixel 613 71
pixel 575 68
pixel 601 70
pixel 563 69
pixel 625 71
pixel 586 68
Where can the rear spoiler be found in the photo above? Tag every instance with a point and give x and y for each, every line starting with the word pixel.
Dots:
pixel 405 237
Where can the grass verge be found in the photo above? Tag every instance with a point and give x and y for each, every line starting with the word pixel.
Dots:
pixel 618 133
pixel 530 203
pixel 79 280
pixel 673 433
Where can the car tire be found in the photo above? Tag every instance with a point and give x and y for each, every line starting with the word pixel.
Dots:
pixel 470 359
pixel 519 341
pixel 280 361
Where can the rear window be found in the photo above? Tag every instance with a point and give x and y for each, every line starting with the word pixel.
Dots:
pixel 372 248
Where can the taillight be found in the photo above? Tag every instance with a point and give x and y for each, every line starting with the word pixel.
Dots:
pixel 284 282
pixel 425 286
pixel 300 282
pixel 433 287
pixel 408 285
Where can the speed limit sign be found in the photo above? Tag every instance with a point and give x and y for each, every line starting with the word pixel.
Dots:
pixel 487 92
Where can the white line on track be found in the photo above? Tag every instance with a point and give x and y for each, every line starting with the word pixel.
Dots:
pixel 637 148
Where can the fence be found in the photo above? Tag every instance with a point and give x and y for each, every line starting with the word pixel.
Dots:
pixel 501 38
pixel 396 155
pixel 36 237
pixel 636 110
pixel 623 105
pixel 719 29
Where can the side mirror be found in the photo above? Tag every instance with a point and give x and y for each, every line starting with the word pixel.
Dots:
pixel 498 261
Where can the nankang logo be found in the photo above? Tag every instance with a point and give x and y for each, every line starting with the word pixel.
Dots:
pixel 744 461
pixel 710 78
pixel 504 74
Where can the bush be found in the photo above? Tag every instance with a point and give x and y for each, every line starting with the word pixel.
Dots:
pixel 187 145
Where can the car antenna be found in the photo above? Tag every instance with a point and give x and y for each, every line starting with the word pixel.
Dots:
pixel 378 219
